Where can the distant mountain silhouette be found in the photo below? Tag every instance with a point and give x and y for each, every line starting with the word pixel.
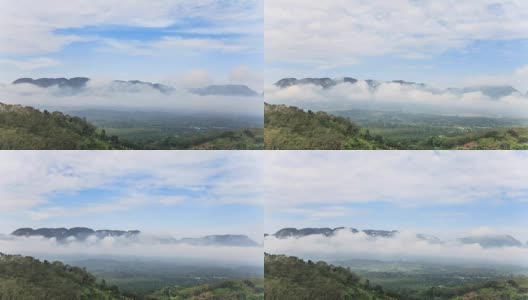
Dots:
pixel 492 91
pixel 485 241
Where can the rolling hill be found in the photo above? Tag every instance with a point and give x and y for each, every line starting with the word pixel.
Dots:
pixel 291 128
pixel 292 278
pixel 26 128
pixel 30 279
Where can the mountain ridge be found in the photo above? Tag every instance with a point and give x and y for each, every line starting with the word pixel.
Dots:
pixel 78 83
pixel 82 233
pixel 492 91
pixel 485 241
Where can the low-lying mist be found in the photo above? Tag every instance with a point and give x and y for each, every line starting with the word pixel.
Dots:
pixel 106 94
pixel 143 246
pixel 404 246
pixel 395 96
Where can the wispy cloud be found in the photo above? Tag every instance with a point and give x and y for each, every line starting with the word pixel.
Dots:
pixel 36 184
pixel 30 28
pixel 333 31
pixel 30 64
pixel 295 179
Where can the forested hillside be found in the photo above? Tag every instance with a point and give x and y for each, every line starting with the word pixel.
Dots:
pixel 291 278
pixel 241 139
pixel 500 139
pixel 291 128
pixel 26 128
pixel 26 278
pixel 226 290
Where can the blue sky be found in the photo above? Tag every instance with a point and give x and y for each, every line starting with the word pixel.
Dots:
pixel 161 41
pixel 443 193
pixel 181 194
pixel 444 44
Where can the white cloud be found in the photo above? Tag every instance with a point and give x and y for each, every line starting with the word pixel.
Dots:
pixel 332 32
pixel 197 78
pixel 30 64
pixel 173 45
pixel 320 213
pixel 244 75
pixel 145 247
pixel 102 93
pixel 518 78
pixel 28 27
pixel 406 178
pixel 399 97
pixel 30 179
pixel 404 246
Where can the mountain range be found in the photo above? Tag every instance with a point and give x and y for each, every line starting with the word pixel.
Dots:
pixel 79 233
pixel 225 90
pixel 492 91
pixel 485 241
pixel 82 233
pixel 78 83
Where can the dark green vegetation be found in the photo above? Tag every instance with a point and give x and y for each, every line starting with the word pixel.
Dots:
pixel 288 127
pixel 25 128
pixel 426 131
pixel 178 130
pixel 143 277
pixel 293 278
pixel 418 280
pixel 293 128
pixel 227 290
pixel 26 278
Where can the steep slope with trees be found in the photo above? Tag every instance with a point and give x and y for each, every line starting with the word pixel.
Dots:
pixel 291 128
pixel 30 279
pixel 293 278
pixel 26 128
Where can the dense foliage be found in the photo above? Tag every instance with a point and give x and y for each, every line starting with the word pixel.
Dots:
pixel 291 278
pixel 26 128
pixel 511 289
pixel 292 128
pixel 294 278
pixel 500 139
pixel 226 290
pixel 26 278
pixel 241 139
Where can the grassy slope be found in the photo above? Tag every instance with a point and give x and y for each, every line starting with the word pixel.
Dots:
pixel 26 128
pixel 30 279
pixel 244 289
pixel 289 127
